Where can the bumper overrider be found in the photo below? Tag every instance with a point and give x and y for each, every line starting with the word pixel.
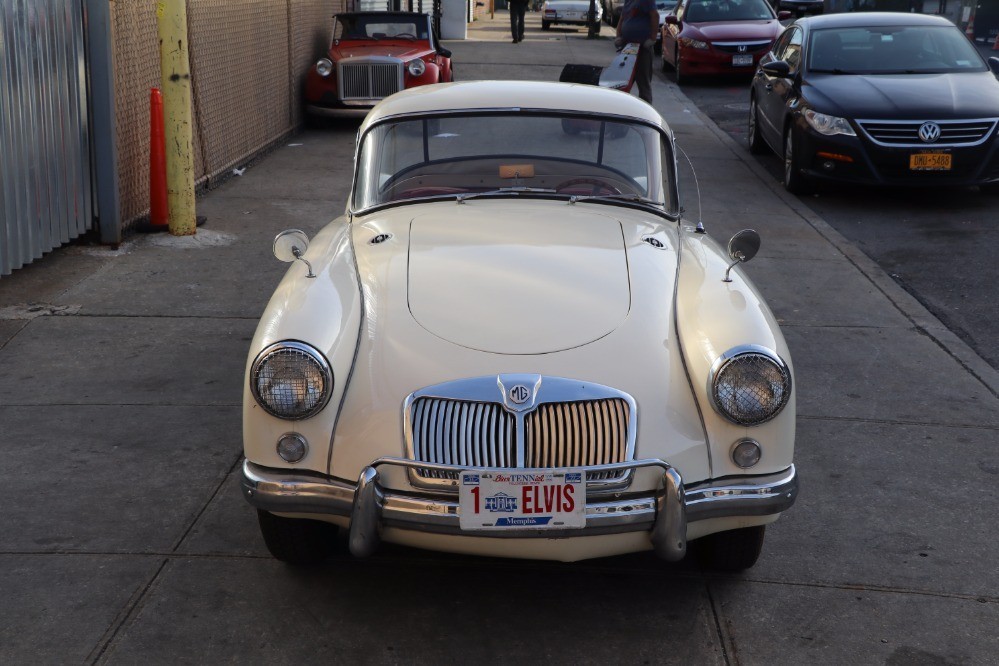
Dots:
pixel 664 512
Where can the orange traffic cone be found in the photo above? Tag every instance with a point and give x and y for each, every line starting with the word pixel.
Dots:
pixel 159 212
pixel 969 32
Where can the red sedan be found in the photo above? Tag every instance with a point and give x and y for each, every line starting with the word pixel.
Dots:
pixel 710 37
pixel 372 55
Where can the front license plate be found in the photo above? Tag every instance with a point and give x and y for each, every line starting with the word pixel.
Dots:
pixel 742 60
pixel 511 500
pixel 930 161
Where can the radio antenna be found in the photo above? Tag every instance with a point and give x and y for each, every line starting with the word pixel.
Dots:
pixel 700 225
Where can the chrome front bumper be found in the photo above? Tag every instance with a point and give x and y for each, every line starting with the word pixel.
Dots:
pixel 664 513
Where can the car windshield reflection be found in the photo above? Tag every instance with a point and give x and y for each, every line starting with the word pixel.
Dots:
pixel 511 154
pixel 892 50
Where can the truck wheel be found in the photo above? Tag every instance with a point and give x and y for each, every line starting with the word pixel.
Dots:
pixel 732 550
pixel 295 541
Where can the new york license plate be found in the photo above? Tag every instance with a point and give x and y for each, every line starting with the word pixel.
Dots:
pixel 930 161
pixel 744 60
pixel 512 500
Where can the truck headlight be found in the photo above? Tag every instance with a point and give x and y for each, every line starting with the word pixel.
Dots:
pixel 416 67
pixel 749 385
pixel 324 67
pixel 291 380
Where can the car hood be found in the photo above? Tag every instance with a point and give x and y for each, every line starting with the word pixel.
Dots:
pixel 393 49
pixel 736 30
pixel 517 281
pixel 904 96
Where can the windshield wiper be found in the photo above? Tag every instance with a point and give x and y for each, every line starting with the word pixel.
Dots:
pixel 637 198
pixel 461 198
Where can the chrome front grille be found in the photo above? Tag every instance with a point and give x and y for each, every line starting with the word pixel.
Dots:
pixel 456 432
pixel 369 80
pixel 577 434
pixel 906 132
pixel 469 423
pixel 741 47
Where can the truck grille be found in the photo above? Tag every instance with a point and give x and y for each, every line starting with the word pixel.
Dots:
pixel 369 80
pixel 482 434
pixel 906 133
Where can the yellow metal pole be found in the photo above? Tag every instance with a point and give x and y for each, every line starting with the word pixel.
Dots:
pixel 175 71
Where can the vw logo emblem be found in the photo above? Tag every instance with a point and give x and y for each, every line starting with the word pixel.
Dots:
pixel 520 394
pixel 929 132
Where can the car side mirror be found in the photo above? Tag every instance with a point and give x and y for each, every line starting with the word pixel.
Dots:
pixel 290 245
pixel 671 19
pixel 777 68
pixel 994 65
pixel 784 15
pixel 443 52
pixel 741 248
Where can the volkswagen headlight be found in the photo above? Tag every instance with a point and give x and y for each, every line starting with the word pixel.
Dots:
pixel 324 66
pixel 291 380
pixel 828 125
pixel 749 385
pixel 416 67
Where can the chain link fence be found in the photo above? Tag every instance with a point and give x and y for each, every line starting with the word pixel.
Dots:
pixel 248 65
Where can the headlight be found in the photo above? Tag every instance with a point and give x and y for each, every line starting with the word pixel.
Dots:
pixel 828 125
pixel 416 67
pixel 694 43
pixel 291 380
pixel 749 385
pixel 324 66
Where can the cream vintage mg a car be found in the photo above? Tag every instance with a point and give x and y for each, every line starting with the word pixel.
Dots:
pixel 513 344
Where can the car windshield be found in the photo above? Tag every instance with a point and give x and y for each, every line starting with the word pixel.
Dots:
pixel 701 11
pixel 893 50
pixel 513 153
pixel 379 26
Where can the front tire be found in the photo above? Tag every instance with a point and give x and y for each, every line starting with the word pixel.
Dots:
pixel 678 74
pixel 295 541
pixel 757 146
pixel 989 188
pixel 732 550
pixel 795 181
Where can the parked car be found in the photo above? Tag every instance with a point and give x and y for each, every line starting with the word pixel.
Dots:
pixel 663 7
pixel 802 7
pixel 570 12
pixel 712 37
pixel 371 56
pixel 511 332
pixel 886 98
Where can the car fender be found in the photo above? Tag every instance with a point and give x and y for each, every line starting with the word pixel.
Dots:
pixel 713 317
pixel 323 312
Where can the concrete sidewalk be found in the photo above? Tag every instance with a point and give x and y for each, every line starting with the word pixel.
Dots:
pixel 123 537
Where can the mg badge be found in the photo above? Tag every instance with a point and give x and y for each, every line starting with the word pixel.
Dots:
pixel 520 394
pixel 929 132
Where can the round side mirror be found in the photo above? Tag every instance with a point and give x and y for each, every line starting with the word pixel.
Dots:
pixel 744 245
pixel 290 244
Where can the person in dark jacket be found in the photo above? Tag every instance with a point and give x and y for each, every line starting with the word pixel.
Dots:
pixel 517 10
pixel 639 24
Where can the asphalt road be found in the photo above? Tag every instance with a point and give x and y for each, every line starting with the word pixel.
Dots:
pixel 937 244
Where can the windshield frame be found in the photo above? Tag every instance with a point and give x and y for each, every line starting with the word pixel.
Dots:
pixel 670 209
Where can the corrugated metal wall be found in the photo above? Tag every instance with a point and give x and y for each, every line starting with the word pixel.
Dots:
pixel 45 179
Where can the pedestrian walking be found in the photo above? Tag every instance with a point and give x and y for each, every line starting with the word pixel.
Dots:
pixel 517 10
pixel 638 24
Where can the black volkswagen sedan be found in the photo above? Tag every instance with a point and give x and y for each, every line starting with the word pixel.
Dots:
pixel 884 98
